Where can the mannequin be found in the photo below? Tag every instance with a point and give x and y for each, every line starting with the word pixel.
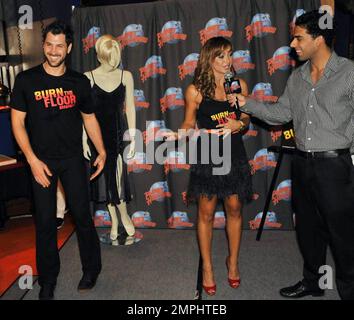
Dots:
pixel 61 205
pixel 108 80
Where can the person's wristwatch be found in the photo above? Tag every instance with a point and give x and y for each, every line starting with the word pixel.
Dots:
pixel 243 125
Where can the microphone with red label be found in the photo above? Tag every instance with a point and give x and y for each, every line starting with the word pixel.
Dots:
pixel 232 85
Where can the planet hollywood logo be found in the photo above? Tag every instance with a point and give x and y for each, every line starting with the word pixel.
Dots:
pixel 242 61
pixel 299 12
pixel 275 133
pixel 283 192
pixel 281 60
pixel 171 33
pixel 251 132
pixel 102 219
pixel 172 100
pixel 138 163
pixel 132 36
pixel 176 162
pixel 263 92
pixel 219 220
pixel 179 220
pixel 140 101
pixel 158 192
pixel 155 131
pixel 261 25
pixel 142 219
pixel 271 221
pixel 152 69
pixel 91 39
pixel 263 161
pixel 188 67
pixel 215 27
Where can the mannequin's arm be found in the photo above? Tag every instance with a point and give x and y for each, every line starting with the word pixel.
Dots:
pixel 85 146
pixel 94 132
pixel 130 110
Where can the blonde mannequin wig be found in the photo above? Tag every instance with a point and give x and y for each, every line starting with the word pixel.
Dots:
pixel 108 50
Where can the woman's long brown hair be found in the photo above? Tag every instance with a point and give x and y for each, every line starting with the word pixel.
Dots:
pixel 204 79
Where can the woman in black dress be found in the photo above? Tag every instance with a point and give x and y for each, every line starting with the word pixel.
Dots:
pixel 207 106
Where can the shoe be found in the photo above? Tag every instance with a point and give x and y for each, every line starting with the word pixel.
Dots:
pixel 87 282
pixel 233 283
pixel 300 290
pixel 60 223
pixel 47 292
pixel 210 291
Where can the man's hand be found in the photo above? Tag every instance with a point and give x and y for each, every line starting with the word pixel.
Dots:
pixel 40 172
pixel 99 163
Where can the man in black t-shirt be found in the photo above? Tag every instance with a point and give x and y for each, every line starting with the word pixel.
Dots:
pixel 56 101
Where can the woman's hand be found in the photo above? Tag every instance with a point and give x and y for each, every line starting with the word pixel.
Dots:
pixel 170 136
pixel 231 98
pixel 231 126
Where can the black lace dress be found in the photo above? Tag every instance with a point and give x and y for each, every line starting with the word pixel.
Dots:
pixel 203 181
pixel 111 187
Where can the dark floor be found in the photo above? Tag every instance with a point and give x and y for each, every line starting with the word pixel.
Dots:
pixel 163 266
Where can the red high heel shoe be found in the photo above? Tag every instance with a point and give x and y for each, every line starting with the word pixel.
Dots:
pixel 210 291
pixel 233 283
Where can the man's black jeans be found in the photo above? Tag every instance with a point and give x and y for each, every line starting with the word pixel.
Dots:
pixel 72 173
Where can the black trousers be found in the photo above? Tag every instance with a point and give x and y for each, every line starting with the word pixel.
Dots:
pixel 72 173
pixel 323 199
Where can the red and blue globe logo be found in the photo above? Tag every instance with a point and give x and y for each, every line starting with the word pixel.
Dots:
pixel 219 220
pixel 140 101
pixel 242 61
pixel 263 161
pixel 179 220
pixel 262 89
pixel 142 219
pixel 131 32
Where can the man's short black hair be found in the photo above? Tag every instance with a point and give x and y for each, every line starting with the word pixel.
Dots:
pixel 311 22
pixel 59 27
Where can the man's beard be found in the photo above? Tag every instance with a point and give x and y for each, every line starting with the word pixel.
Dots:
pixel 57 64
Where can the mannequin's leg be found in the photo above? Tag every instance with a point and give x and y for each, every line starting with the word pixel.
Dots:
pixel 61 205
pixel 114 219
pixel 122 207
pixel 127 222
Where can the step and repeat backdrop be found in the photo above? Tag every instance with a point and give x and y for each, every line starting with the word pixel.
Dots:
pixel 160 46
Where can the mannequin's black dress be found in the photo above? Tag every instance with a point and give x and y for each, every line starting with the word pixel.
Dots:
pixel 202 180
pixel 109 187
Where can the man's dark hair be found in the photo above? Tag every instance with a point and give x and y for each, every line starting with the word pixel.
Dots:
pixel 59 27
pixel 311 22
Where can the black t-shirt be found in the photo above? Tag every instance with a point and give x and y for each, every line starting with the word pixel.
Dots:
pixel 53 106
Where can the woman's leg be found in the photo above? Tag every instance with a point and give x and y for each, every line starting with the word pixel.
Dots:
pixel 234 230
pixel 206 209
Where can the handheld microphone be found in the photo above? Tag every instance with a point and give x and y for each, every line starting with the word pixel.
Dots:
pixel 232 85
